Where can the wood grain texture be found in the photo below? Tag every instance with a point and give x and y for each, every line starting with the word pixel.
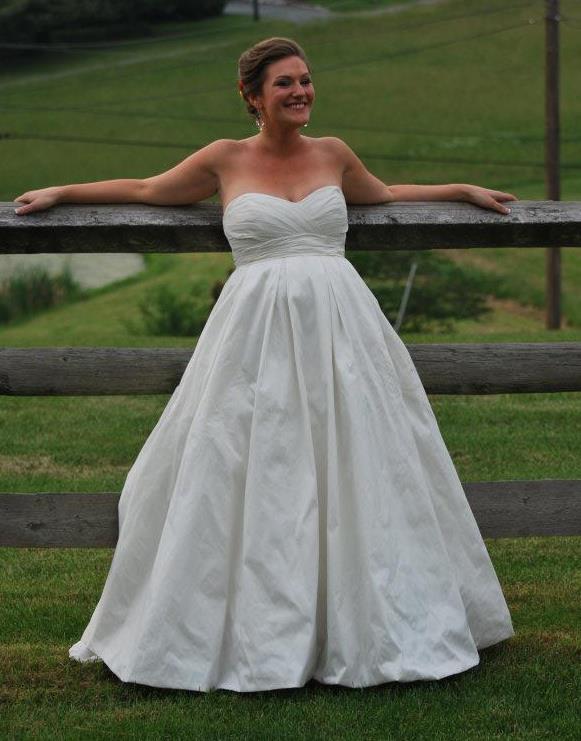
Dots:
pixel 413 225
pixel 455 368
pixel 501 508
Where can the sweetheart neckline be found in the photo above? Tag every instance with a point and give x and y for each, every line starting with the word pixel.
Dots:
pixel 278 198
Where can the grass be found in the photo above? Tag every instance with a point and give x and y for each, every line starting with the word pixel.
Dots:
pixel 444 114
pixel 527 687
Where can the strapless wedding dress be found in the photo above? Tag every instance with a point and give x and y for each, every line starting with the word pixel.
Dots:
pixel 295 513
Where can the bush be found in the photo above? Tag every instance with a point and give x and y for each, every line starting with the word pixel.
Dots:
pixel 45 21
pixel 168 312
pixel 441 292
pixel 32 290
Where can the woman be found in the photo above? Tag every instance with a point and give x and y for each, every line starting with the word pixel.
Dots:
pixel 294 513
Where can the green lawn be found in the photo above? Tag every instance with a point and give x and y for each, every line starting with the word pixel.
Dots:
pixel 436 95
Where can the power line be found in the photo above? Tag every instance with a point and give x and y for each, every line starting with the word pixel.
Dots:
pixel 334 67
pixel 191 146
pixel 72 47
pixel 112 112
pixel 380 30
pixel 109 112
pixel 197 33
pixel 488 136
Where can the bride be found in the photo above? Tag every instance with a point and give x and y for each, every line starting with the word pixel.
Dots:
pixel 294 513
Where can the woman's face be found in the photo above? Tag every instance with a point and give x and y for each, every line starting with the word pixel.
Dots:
pixel 287 94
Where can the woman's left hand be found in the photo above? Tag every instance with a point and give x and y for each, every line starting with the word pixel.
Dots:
pixel 486 198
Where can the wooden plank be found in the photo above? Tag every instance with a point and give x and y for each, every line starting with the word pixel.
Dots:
pixel 68 520
pixel 498 368
pixel 72 520
pixel 413 225
pixel 455 368
pixel 513 509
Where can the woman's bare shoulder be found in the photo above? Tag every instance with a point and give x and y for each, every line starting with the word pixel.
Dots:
pixel 335 146
pixel 221 149
pixel 223 146
pixel 331 142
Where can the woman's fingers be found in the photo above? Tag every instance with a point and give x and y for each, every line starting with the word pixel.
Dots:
pixel 499 207
pixel 499 195
pixel 493 199
pixel 32 201
pixel 26 199
pixel 29 205
pixel 494 204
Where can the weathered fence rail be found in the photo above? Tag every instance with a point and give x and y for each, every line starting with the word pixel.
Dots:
pixel 399 226
pixel 455 368
pixel 501 508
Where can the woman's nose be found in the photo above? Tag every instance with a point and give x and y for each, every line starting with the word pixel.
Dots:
pixel 297 90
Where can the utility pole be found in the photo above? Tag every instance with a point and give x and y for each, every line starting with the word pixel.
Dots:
pixel 255 14
pixel 552 181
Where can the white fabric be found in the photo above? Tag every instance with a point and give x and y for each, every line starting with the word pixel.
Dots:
pixel 295 513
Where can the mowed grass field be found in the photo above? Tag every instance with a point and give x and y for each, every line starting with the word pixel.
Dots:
pixel 445 93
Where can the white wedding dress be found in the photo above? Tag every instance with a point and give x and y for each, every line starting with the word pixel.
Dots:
pixel 295 513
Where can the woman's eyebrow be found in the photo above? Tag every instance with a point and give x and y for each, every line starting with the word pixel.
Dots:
pixel 278 77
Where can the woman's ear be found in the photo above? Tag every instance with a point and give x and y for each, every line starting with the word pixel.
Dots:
pixel 253 100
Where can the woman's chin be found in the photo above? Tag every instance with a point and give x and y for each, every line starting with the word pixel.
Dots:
pixel 300 120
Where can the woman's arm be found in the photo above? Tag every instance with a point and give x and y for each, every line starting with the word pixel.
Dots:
pixel 193 179
pixel 104 191
pixel 360 186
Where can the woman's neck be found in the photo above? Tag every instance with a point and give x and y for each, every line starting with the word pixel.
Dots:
pixel 281 142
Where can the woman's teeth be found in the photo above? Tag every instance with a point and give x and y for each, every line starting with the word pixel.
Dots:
pixel 296 105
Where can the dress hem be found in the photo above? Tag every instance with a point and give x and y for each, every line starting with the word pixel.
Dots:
pixel 84 649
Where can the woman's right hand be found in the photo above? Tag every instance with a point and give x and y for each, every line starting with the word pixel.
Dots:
pixel 37 200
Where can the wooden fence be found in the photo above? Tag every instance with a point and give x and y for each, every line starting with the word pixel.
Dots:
pixel 501 508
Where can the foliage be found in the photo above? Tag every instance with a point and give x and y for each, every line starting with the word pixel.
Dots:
pixel 42 21
pixel 169 312
pixel 441 290
pixel 32 290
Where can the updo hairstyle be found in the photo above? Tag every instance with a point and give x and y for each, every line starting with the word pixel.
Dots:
pixel 253 62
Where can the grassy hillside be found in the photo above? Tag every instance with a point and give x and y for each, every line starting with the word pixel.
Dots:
pixel 443 93
pixel 427 96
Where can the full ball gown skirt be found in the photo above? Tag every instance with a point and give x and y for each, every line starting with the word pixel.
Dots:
pixel 295 513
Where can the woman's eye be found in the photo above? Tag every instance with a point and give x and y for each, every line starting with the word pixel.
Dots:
pixel 303 82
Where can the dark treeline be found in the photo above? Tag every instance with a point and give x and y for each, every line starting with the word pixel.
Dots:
pixel 56 21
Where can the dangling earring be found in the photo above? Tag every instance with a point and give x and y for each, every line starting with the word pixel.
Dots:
pixel 259 121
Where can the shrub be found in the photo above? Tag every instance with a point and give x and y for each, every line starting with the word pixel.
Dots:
pixel 441 292
pixel 31 290
pixel 168 312
pixel 43 21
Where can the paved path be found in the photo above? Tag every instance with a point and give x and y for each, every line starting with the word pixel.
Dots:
pixel 298 12
pixel 281 10
pixel 88 270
